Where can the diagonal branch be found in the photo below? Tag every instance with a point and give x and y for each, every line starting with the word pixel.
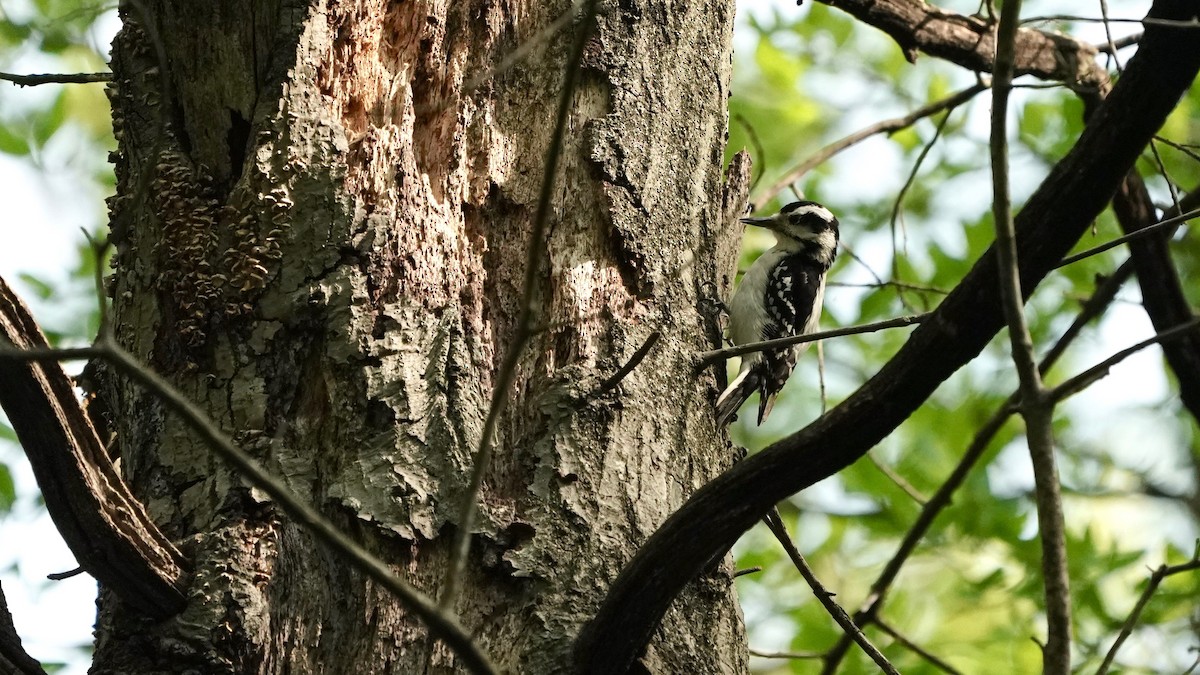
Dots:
pixel 103 524
pixel 1139 225
pixel 969 41
pixel 884 127
pixel 442 625
pixel 32 353
pixel 1093 307
pixel 1056 215
pixel 916 648
pixel 1087 378
pixel 1162 291
pixel 1156 578
pixel 775 523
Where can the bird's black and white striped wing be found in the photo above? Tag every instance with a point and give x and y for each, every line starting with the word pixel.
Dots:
pixel 791 295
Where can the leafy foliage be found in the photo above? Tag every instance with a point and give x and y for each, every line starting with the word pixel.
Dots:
pixel 971 592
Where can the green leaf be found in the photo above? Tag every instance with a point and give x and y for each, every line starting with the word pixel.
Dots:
pixel 12 143
pixel 8 492
pixel 48 122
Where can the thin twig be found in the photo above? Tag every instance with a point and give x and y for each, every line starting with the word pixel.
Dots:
pixel 1006 240
pixel 1185 148
pixel 821 377
pixel 849 251
pixel 1156 578
pixel 524 326
pixel 60 576
pixel 1089 377
pixel 896 478
pixel 8 351
pixel 775 524
pixel 869 610
pixel 1144 232
pixel 1036 407
pixel 1108 37
pixel 748 570
pixel 615 379
pixel 785 655
pixel 915 648
pixel 1147 21
pixel 713 355
pixel 444 626
pixel 1118 43
pixel 898 204
pixel 903 285
pixel 885 126
pixel 33 80
pixel 99 248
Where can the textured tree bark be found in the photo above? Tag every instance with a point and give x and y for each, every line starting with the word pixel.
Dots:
pixel 320 238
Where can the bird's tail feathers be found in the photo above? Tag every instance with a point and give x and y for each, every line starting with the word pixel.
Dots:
pixel 766 376
pixel 748 381
pixel 735 395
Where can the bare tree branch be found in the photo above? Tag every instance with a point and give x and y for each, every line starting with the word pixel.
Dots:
pixel 884 127
pixel 1035 406
pixel 970 42
pixel 1119 43
pixel 1090 376
pixel 896 221
pixel 103 524
pixel 442 625
pixel 915 648
pixel 1059 211
pixel 1103 296
pixel 622 372
pixel 1093 19
pixel 775 524
pixel 785 655
pixel 1134 235
pixel 897 479
pixel 1162 290
pixel 1156 578
pixel 711 356
pixel 34 80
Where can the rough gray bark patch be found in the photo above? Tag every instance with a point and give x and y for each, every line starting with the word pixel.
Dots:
pixel 321 239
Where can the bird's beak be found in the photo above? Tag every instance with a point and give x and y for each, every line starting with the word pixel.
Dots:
pixel 761 222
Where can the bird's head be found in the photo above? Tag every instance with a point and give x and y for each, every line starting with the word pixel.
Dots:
pixel 805 224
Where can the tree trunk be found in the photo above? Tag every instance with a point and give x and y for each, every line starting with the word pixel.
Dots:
pixel 321 235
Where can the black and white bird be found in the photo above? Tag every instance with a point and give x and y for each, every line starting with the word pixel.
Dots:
pixel 780 296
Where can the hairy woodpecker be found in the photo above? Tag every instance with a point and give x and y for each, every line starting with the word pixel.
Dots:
pixel 780 295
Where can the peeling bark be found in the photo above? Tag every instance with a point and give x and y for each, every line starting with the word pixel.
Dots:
pixel 320 234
